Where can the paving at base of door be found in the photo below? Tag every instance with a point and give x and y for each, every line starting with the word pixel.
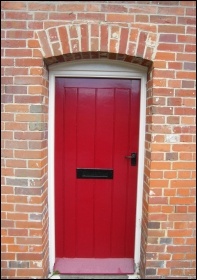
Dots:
pixel 133 276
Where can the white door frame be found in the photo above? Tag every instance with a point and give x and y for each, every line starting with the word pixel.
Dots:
pixel 102 68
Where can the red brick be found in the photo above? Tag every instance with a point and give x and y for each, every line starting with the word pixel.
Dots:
pixel 189 102
pixel 171 29
pixel 13 43
pixel 163 19
pixel 123 40
pixel 26 62
pixel 45 45
pixel 27 224
pixel 16 126
pixel 17 248
pixel 184 147
pixel 171 47
pixel 178 249
pixel 181 215
pixel 28 208
pixel 113 8
pixel 120 18
pixel 17 71
pixel 7 240
pixel 178 263
pixel 181 209
pixel 170 174
pixel 28 154
pixel 19 15
pixel 7 117
pixel 141 18
pixel 22 34
pixel 91 16
pixel 104 38
pixel 29 117
pixel 75 46
pixel 158 200
pixel 28 99
pixel 29 136
pixel 191 209
pixel 145 27
pixel 191 29
pixel 29 256
pixel 17 216
pixel 93 7
pixel 139 9
pixel 14 25
pixel 160 147
pixel 64 38
pixel 188 3
pixel 182 200
pixel 186 57
pixel 18 232
pixel 37 6
pixel 183 192
pixel 7 62
pixel 10 5
pixel 155 248
pixel 187 20
pixel 167 209
pixel 32 43
pixel 75 7
pixel 185 93
pixel 185 75
pixel 29 240
pixel 16 144
pixel 30 173
pixel 35 25
pixel 8 273
pixel 30 272
pixel 182 183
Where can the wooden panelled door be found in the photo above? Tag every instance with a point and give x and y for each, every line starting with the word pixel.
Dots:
pixel 96 128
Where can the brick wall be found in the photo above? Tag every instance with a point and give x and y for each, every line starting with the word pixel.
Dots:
pixel 158 34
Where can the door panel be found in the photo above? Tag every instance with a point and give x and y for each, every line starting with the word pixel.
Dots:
pixel 96 126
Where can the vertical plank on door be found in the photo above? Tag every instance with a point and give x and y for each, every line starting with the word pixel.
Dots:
pixel 132 178
pixel 121 146
pixel 103 158
pixel 69 165
pixel 85 158
pixel 59 174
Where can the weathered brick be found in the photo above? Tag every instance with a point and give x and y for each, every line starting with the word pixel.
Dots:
pixel 27 191
pixel 153 225
pixel 37 126
pixel 172 156
pixel 150 271
pixel 16 182
pixel 18 264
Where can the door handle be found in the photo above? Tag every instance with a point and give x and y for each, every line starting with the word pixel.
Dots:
pixel 133 158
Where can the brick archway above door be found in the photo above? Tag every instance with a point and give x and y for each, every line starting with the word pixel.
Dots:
pixel 94 40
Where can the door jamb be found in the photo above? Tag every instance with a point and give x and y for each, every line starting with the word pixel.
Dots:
pixel 101 68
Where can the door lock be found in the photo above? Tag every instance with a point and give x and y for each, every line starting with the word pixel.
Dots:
pixel 133 158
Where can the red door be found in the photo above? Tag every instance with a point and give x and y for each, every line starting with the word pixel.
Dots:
pixel 96 126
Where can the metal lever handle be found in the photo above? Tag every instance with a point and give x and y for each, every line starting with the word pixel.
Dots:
pixel 133 158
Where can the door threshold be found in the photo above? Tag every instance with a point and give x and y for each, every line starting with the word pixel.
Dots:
pixel 94 266
pixel 108 276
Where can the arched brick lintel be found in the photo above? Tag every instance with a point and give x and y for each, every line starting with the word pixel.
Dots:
pixel 94 40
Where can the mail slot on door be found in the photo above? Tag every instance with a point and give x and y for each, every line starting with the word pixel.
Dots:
pixel 94 173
